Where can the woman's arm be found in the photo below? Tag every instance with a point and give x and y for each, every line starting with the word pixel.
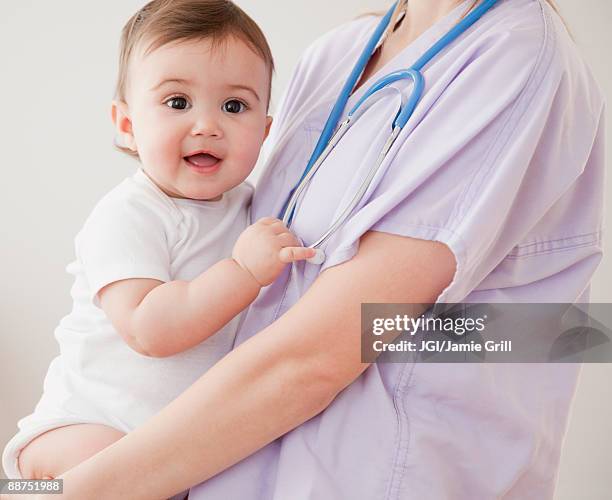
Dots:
pixel 272 383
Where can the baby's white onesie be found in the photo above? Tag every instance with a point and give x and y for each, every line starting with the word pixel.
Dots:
pixel 135 231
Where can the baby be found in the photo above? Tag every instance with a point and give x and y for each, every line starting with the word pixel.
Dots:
pixel 157 297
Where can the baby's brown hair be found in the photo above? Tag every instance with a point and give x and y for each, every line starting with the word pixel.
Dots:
pixel 160 22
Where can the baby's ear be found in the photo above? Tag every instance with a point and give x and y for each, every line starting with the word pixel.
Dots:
pixel 123 123
pixel 268 125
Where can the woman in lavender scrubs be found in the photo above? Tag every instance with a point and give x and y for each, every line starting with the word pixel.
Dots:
pixel 493 194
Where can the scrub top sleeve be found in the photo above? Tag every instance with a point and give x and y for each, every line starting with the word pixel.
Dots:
pixel 497 139
pixel 122 239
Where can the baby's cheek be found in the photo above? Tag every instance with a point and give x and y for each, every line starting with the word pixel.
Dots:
pixel 161 148
pixel 250 148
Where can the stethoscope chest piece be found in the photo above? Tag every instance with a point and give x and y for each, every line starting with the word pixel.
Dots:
pixel 318 258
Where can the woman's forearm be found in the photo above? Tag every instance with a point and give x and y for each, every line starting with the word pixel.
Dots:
pixel 272 383
pixel 252 396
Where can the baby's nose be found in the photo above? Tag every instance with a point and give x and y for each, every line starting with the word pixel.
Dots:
pixel 207 126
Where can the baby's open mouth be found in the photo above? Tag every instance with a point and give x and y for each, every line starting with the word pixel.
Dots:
pixel 202 160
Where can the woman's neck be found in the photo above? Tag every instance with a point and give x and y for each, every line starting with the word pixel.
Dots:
pixel 420 16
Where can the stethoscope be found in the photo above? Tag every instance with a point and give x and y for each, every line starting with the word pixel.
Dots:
pixel 330 136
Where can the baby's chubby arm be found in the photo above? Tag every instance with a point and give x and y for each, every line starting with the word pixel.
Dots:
pixel 161 319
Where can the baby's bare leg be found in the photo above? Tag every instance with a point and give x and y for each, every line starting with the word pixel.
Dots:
pixel 58 450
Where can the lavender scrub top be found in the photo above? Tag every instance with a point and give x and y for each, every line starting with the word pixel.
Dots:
pixel 503 161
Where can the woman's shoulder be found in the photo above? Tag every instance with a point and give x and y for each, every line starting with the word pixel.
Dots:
pixel 531 34
pixel 521 50
pixel 320 68
pixel 332 46
pixel 344 34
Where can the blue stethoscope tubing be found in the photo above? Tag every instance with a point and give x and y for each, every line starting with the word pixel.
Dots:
pixel 331 134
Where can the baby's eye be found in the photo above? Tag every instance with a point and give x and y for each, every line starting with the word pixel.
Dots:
pixel 177 103
pixel 234 106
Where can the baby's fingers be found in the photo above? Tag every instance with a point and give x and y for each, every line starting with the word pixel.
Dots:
pixel 266 221
pixel 293 254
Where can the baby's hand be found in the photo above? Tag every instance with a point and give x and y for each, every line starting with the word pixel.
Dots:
pixel 265 247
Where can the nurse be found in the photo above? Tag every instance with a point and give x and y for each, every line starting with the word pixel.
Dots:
pixel 493 193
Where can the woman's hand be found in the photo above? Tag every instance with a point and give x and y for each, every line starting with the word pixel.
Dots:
pixel 264 248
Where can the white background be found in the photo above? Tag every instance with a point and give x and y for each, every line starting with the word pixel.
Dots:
pixel 58 70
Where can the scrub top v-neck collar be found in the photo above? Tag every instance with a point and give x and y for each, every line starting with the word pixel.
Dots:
pixel 406 57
